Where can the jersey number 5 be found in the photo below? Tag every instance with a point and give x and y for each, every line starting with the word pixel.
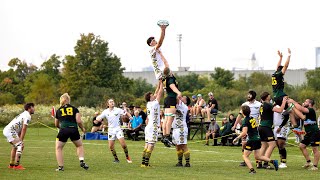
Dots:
pixel 69 112
pixel 274 81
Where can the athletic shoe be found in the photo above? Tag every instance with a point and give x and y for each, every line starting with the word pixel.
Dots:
pixel 307 165
pixel 276 165
pixel 144 166
pixel 242 164
pixel 10 167
pixel 84 165
pixel 269 167
pixel 129 159
pixel 313 168
pixel 116 161
pixel 19 167
pixel 179 165
pixel 287 111
pixel 298 131
pixel 206 144
pixel 252 172
pixel 260 166
pixel 283 165
pixel 60 169
pixel 187 165
pixel 166 142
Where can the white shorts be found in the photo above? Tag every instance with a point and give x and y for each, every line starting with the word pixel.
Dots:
pixel 115 133
pixel 283 134
pixel 180 136
pixel 151 134
pixel 10 134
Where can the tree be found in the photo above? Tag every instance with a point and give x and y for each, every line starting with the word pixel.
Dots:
pixel 223 77
pixel 51 67
pixel 42 90
pixel 190 82
pixel 313 79
pixel 259 79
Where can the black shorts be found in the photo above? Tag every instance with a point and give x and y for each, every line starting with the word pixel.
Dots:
pixel 266 134
pixel 311 138
pixel 66 133
pixel 170 102
pixel 253 145
pixel 97 125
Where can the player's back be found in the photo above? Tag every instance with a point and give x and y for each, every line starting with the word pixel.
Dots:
pixel 17 123
pixel 66 115
pixel 153 112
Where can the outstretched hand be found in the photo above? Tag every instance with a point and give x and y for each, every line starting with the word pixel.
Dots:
pixel 280 53
pixel 163 27
pixel 289 51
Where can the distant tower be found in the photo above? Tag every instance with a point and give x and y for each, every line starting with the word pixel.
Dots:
pixel 253 63
pixel 317 57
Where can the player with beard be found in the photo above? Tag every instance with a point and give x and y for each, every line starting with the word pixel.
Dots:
pixel 254 113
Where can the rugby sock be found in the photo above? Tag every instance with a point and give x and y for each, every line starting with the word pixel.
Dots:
pixel 315 165
pixel 180 156
pixel 125 149
pixel 283 155
pixel 251 170
pixel 308 161
pixel 187 156
pixel 143 156
pixel 147 157
pixel 11 163
pixel 114 153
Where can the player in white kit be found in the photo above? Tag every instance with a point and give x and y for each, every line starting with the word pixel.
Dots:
pixel 281 131
pixel 153 123
pixel 158 60
pixel 15 132
pixel 254 112
pixel 113 115
pixel 180 131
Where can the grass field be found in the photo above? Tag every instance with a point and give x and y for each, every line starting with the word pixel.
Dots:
pixel 208 162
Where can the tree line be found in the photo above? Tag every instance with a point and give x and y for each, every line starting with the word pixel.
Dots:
pixel 94 74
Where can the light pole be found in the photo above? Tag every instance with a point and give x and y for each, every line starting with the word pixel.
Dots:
pixel 179 39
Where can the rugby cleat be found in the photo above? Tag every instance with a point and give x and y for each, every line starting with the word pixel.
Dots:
pixel 242 164
pixel 145 166
pixel 60 169
pixel 283 165
pixel 10 166
pixel 187 165
pixel 179 165
pixel 313 168
pixel 129 159
pixel 116 161
pixel 19 167
pixel 276 165
pixel 307 165
pixel 84 166
pixel 252 172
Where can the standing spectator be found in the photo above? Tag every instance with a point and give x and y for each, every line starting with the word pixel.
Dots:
pixel 15 132
pixel 213 132
pixel 134 126
pixel 211 108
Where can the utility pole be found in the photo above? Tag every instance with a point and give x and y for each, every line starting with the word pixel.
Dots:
pixel 179 39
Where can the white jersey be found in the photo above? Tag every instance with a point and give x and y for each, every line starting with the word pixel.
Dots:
pixel 277 117
pixel 112 116
pixel 153 112
pixel 180 118
pixel 254 108
pixel 157 63
pixel 17 123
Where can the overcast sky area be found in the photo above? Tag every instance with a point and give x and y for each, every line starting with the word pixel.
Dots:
pixel 214 33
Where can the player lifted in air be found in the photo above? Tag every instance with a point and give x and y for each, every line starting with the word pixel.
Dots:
pixel 158 60
pixel 153 123
pixel 180 131
pixel 249 127
pixel 113 114
pixel 278 90
pixel 15 132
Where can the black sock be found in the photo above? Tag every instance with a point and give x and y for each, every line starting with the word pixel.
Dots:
pixel 315 165
pixel 81 161
pixel 251 170
pixel 309 161
pixel 272 161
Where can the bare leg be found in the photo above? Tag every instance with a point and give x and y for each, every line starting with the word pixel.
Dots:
pixel 59 154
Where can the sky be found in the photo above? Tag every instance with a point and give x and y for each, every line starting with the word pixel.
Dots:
pixel 215 33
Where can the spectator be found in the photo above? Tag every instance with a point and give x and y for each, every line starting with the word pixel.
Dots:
pixel 201 103
pixel 225 131
pixel 232 120
pixel 125 118
pixel 134 126
pixel 142 114
pixel 211 108
pixel 192 104
pixel 213 132
pixel 96 125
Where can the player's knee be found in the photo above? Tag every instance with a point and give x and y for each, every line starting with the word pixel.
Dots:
pixel 19 147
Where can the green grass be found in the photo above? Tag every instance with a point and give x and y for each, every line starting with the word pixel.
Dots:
pixel 208 162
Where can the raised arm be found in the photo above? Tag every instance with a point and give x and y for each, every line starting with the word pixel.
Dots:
pixel 160 91
pixel 286 64
pixel 165 62
pixel 280 60
pixel 163 33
